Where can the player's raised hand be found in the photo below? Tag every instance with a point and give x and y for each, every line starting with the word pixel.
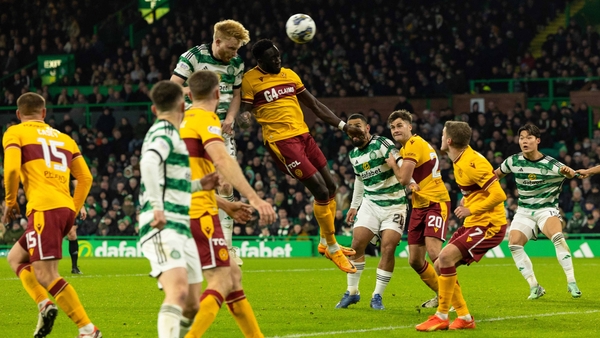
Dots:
pixel 462 212
pixel 351 215
pixel 159 219
pixel 567 171
pixel 355 132
pixel 83 213
pixel 584 173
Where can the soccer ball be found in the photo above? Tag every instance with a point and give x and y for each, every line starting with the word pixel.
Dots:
pixel 300 28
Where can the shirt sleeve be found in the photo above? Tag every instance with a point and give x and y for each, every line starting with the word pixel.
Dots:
pixel 238 78
pixel 184 68
pixel 161 145
pixel 247 93
pixel 481 172
pixel 556 165
pixel 412 152
pixel 504 167
pixel 210 129
pixel 10 139
pixel 297 82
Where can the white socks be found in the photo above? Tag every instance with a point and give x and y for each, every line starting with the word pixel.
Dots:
pixel 169 317
pixel 354 278
pixel 523 264
pixel 563 254
pixel 227 223
pixel 383 278
pixel 184 326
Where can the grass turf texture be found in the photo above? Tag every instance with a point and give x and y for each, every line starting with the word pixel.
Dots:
pixel 295 297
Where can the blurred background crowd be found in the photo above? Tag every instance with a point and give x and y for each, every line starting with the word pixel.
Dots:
pixel 407 49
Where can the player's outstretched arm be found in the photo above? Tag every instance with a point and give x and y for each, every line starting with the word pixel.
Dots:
pixel 499 173
pixel 567 172
pixel 326 114
pixel 231 171
pixel 84 179
pixel 585 173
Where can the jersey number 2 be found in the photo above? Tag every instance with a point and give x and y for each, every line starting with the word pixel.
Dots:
pixel 49 147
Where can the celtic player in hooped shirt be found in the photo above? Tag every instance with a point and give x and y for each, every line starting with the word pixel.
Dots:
pixel 483 229
pixel 539 180
pixel 220 57
pixel 379 204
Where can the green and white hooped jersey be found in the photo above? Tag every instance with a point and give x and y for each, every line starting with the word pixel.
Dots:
pixel 380 185
pixel 538 182
pixel 174 179
pixel 201 58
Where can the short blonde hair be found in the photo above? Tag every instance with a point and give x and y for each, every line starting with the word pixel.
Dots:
pixel 231 29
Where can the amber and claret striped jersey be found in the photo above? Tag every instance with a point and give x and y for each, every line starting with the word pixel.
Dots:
pixel 274 102
pixel 199 128
pixel 474 174
pixel 47 158
pixel 426 173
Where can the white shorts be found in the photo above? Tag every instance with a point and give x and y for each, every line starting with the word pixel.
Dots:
pixel 169 249
pixel 230 145
pixel 377 219
pixel 531 222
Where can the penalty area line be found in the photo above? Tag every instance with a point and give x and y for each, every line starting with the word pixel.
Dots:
pixel 389 328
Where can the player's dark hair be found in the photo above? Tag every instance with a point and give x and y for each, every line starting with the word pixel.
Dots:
pixel 459 132
pixel 202 83
pixel 400 114
pixel 30 103
pixel 165 95
pixel 531 129
pixel 359 117
pixel 260 47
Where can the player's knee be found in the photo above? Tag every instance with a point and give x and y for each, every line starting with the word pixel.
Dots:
pixel 321 193
pixel 416 263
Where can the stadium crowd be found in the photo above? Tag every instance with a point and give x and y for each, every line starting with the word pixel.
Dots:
pixel 433 52
pixel 359 49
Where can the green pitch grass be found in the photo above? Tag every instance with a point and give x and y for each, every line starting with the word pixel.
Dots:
pixel 296 297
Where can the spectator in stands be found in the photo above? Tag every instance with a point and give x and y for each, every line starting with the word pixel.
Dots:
pixel 106 122
pixel 12 234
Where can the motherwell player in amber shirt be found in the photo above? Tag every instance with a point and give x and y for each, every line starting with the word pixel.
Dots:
pixel 483 229
pixel 273 93
pixel 43 158
pixel 428 223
